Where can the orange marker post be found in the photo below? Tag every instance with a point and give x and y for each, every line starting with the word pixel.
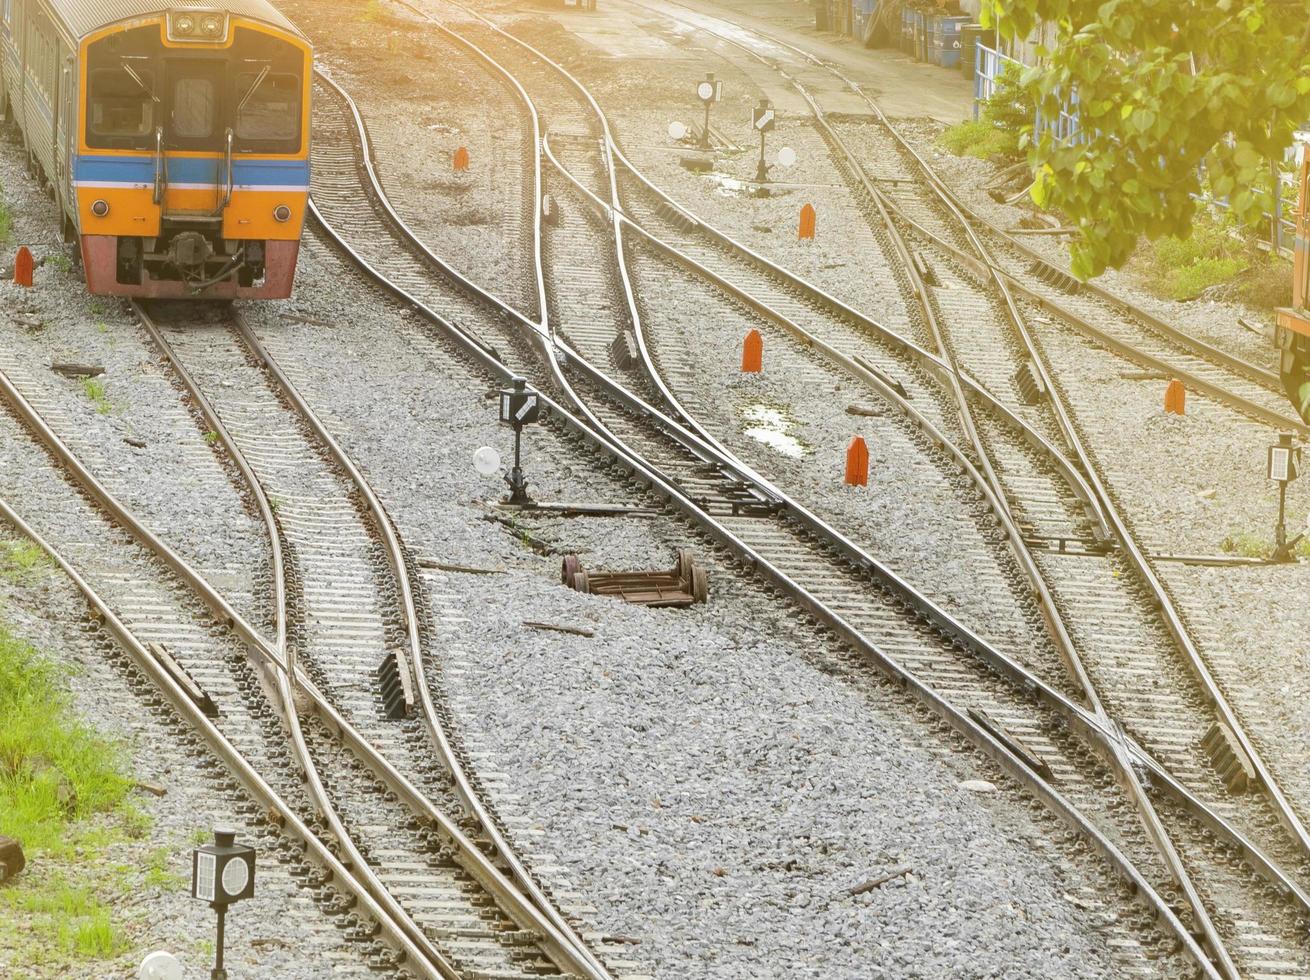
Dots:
pixel 462 159
pixel 808 219
pixel 1175 398
pixel 23 267
pixel 752 353
pixel 857 463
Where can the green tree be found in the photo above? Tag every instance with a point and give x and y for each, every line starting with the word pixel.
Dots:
pixel 1166 89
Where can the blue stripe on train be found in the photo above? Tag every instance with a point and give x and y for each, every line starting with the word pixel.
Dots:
pixel 190 170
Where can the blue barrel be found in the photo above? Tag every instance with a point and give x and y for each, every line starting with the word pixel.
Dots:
pixel 946 40
pixel 922 30
pixel 907 30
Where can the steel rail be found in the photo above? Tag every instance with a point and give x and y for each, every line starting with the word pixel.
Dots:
pixel 1105 735
pixel 841 627
pixel 927 360
pixel 986 482
pixel 1115 757
pixel 398 936
pixel 359 865
pixel 1166 608
pixel 817 525
pixel 1118 525
pixel 956 718
pixel 1148 813
pixel 987 268
pixel 557 946
pixel 471 858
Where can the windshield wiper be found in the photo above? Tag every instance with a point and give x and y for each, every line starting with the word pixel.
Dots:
pixel 137 78
pixel 263 74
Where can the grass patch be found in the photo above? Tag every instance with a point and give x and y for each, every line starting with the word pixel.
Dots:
pixel 1247 544
pixel 978 138
pixel 6 223
pixel 1217 261
pixel 1002 119
pixel 64 797
pixel 54 771
pixel 23 562
pixel 94 389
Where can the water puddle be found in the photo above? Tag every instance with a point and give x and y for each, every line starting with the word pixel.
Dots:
pixel 769 427
pixel 731 186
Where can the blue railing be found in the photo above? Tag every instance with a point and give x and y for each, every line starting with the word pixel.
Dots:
pixel 990 64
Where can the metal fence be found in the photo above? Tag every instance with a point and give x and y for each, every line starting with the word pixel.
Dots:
pixel 990 64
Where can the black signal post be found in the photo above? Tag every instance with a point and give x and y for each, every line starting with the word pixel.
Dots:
pixel 519 406
pixel 222 873
pixel 1284 467
pixel 709 92
pixel 763 119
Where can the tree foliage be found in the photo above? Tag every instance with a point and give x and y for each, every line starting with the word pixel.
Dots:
pixel 1166 89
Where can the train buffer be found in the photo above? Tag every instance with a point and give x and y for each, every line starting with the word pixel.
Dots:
pixel 686 584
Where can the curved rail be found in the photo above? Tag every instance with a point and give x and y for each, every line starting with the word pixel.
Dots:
pixel 1225 963
pixel 560 943
pixel 721 533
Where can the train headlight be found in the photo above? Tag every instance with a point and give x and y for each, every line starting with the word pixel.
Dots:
pixel 211 26
pixel 100 208
pixel 282 213
pixel 184 24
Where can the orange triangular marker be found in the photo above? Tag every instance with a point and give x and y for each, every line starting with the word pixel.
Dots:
pixel 23 266
pixel 1175 398
pixel 752 353
pixel 808 219
pixel 462 158
pixel 857 463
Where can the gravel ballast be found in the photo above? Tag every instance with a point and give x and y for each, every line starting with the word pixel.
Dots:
pixel 711 781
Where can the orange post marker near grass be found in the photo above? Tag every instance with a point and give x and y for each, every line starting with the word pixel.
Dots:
pixel 1175 398
pixel 752 353
pixel 462 158
pixel 808 219
pixel 23 266
pixel 857 463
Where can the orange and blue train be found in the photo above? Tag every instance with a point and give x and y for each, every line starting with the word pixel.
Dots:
pixel 174 138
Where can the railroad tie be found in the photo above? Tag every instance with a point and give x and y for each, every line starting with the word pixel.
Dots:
pixel 1228 759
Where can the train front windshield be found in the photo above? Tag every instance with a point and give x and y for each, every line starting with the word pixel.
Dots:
pixel 136 87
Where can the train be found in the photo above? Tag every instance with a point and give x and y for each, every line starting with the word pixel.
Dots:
pixel 174 138
pixel 1292 324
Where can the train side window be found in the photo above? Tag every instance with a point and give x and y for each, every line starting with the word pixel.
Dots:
pixel 193 108
pixel 271 112
pixel 119 106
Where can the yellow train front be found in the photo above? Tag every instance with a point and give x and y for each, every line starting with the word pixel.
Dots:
pixel 1292 324
pixel 175 140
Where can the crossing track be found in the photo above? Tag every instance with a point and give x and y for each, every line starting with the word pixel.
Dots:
pixel 346 561
pixel 777 538
pixel 1166 730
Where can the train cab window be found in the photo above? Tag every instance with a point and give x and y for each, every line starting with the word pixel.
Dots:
pixel 121 107
pixel 269 113
pixel 193 108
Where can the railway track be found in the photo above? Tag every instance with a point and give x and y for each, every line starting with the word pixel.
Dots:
pixel 1093 596
pixel 1165 726
pixel 350 606
pixel 635 425
pixel 139 591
